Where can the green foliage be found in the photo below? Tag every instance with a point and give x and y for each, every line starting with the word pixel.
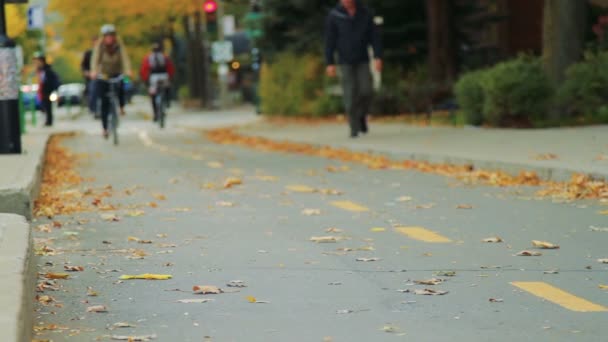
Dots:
pixel 295 85
pixel 327 104
pixel 68 69
pixel 585 91
pixel 515 92
pixel 470 97
pixel 183 93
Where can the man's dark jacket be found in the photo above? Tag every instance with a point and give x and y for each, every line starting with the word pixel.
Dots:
pixel 351 36
pixel 51 81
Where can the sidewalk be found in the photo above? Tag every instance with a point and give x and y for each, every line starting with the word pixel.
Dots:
pixel 553 153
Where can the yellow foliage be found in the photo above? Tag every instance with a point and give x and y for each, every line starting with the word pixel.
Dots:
pixel 15 20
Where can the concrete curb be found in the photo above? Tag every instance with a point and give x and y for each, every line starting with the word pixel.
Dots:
pixel 20 183
pixel 16 271
pixel 544 172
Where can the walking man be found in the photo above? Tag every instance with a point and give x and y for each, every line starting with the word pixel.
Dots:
pixel 350 30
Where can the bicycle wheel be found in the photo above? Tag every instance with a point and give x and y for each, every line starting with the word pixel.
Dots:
pixel 161 112
pixel 114 123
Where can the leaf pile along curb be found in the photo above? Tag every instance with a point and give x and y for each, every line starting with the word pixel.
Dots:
pixel 578 187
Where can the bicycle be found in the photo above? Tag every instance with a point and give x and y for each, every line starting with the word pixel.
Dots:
pixel 159 83
pixel 112 94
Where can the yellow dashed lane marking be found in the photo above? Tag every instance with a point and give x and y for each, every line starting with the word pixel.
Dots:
pixel 350 206
pixel 422 234
pixel 559 297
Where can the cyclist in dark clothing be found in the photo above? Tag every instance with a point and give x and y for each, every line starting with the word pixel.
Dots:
pixel 89 83
pixel 350 30
pixel 155 67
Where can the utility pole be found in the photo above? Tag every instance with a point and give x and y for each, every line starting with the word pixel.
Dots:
pixel 223 67
pixel 10 127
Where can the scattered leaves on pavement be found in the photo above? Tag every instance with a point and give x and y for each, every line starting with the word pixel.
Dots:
pixel 146 276
pixel 529 253
pixel 544 245
pixel 206 289
pixel 578 187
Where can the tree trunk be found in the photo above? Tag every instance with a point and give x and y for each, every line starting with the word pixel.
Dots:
pixel 564 27
pixel 442 50
pixel 563 35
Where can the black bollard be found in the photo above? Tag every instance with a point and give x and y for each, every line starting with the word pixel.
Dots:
pixel 10 132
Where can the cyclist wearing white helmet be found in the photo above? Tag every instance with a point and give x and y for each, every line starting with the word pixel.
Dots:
pixel 109 60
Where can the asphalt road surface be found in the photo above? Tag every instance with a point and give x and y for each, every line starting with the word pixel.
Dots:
pixel 379 233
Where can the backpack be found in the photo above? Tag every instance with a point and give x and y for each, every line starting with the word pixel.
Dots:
pixel 53 79
pixel 158 63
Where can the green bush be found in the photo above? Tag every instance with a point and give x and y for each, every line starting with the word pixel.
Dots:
pixel 585 91
pixel 327 104
pixel 516 90
pixel 470 96
pixel 183 93
pixel 293 85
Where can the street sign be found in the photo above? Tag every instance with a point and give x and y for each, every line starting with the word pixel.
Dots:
pixel 222 52
pixel 35 18
pixel 229 24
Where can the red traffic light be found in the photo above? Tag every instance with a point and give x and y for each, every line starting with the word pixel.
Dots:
pixel 210 6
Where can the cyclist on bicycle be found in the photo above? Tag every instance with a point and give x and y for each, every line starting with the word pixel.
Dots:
pixel 109 60
pixel 157 68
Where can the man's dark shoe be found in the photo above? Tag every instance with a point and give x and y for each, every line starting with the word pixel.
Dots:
pixel 354 135
pixel 364 128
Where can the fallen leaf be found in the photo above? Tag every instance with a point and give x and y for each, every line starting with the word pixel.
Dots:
pixel 134 338
pixel 425 206
pixel 529 253
pixel 146 276
pixel 433 281
pixel 123 325
pixel 602 261
pixel 496 300
pixel 206 289
pixel 464 206
pixel 311 212
pixel 231 182
pixel 404 199
pixel 544 244
pixel 599 229
pixel 430 292
pixel 334 230
pixel 56 276
pixel 333 192
pixel 136 213
pixel 325 239
pixel 224 204
pixel 215 165
pixel 268 178
pixel 366 249
pixel 252 299
pixel 446 273
pixel 44 228
pixel 494 239
pixel 603 287
pixel 368 259
pixel 551 272
pixel 152 205
pixel 109 217
pixel 91 292
pixel 236 283
pixel 73 268
pixel 196 301
pixel 160 197
pixel 344 311
pixel 181 210
pixel 377 230
pixel 603 212
pixel 45 300
pixel 97 308
pixel 132 239
pixel 301 188
pixel 546 156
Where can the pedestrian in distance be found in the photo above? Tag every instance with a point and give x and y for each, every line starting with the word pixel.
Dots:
pixel 349 31
pixel 90 95
pixel 48 83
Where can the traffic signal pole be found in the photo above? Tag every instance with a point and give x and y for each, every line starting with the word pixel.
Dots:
pixel 10 128
pixel 223 68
